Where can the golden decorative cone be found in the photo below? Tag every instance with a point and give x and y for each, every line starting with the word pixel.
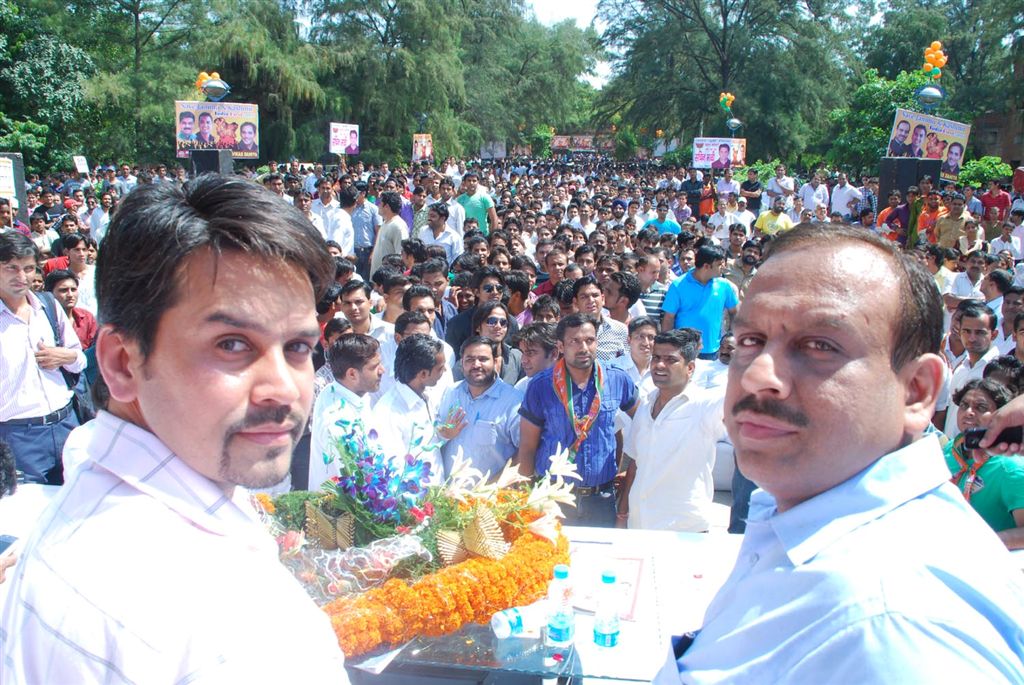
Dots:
pixel 483 535
pixel 450 547
pixel 329 532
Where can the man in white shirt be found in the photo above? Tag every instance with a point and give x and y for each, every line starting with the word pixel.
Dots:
pixel 207 358
pixel 410 323
pixel 327 207
pixel 726 186
pixel 36 410
pixel 977 332
pixel 668 483
pixel 845 198
pixel 341 412
pixel 402 417
pixel 355 306
pixel 438 232
pixel 967 284
pixel 814 193
pixel 743 215
pixel 721 221
pixel 781 186
pixel 100 217
pixel 1006 241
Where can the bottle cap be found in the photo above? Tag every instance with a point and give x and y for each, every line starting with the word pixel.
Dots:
pixel 608 577
pixel 561 571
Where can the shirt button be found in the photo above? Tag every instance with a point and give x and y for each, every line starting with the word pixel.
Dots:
pixel 754 558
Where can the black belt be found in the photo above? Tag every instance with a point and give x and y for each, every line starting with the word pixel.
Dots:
pixel 364 249
pixel 51 418
pixel 587 490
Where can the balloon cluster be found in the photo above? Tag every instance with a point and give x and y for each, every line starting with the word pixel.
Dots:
pixel 725 102
pixel 934 60
pixel 204 77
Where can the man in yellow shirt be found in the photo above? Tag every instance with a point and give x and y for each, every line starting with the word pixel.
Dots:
pixel 775 220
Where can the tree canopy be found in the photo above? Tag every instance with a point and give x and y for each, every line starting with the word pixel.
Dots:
pixel 815 80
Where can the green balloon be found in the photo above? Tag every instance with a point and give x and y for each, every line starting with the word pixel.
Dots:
pixel 935 70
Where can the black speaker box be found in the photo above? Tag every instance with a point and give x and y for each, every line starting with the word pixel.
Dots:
pixel 212 162
pixel 900 173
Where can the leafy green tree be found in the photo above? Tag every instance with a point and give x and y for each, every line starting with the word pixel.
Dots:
pixel 979 172
pixel 675 56
pixel 977 38
pixel 40 89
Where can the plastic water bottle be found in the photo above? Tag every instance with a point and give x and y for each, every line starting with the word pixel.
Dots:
pixel 606 616
pixel 519 620
pixel 561 620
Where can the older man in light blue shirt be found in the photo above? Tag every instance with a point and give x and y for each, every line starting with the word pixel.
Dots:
pixel 861 563
pixel 481 413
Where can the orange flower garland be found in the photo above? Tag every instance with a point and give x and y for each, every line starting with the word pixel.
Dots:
pixel 444 601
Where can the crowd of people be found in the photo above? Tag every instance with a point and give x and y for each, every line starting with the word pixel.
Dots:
pixel 510 310
pixel 503 256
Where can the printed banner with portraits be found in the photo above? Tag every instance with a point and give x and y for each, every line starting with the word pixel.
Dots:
pixel 344 139
pixel 719 153
pixel 926 137
pixel 559 142
pixel 493 149
pixel 422 147
pixel 231 126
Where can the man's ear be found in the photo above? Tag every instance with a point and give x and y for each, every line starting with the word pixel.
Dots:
pixel 120 361
pixel 922 382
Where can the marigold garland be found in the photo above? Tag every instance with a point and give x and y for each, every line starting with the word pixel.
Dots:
pixel 442 602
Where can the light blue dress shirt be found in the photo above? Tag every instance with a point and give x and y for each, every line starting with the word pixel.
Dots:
pixel 491 437
pixel 365 222
pixel 889 577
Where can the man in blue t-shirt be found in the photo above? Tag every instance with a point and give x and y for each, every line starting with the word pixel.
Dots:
pixel 700 298
pixel 665 223
pixel 572 405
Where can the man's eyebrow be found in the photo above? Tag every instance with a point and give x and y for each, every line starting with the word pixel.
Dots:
pixel 825 321
pixel 227 319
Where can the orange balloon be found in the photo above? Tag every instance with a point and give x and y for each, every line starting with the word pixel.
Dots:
pixel 936 45
pixel 927 68
pixel 214 75
pixel 931 59
pixel 942 61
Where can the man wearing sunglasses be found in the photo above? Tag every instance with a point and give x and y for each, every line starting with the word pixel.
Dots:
pixel 489 285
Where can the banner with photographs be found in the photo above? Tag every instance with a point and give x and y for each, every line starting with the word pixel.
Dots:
pixel 522 150
pixel 422 147
pixel 559 142
pixel 719 153
pixel 582 143
pixel 344 139
pixel 926 137
pixel 217 126
pixel 493 149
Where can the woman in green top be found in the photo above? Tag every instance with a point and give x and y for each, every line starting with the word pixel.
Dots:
pixel 994 485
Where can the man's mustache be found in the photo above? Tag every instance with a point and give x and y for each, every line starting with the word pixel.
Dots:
pixel 771 408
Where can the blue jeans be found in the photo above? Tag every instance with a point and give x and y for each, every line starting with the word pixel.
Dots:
pixel 597 510
pixel 37 449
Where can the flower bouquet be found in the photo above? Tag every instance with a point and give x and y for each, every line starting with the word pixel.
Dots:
pixel 425 560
